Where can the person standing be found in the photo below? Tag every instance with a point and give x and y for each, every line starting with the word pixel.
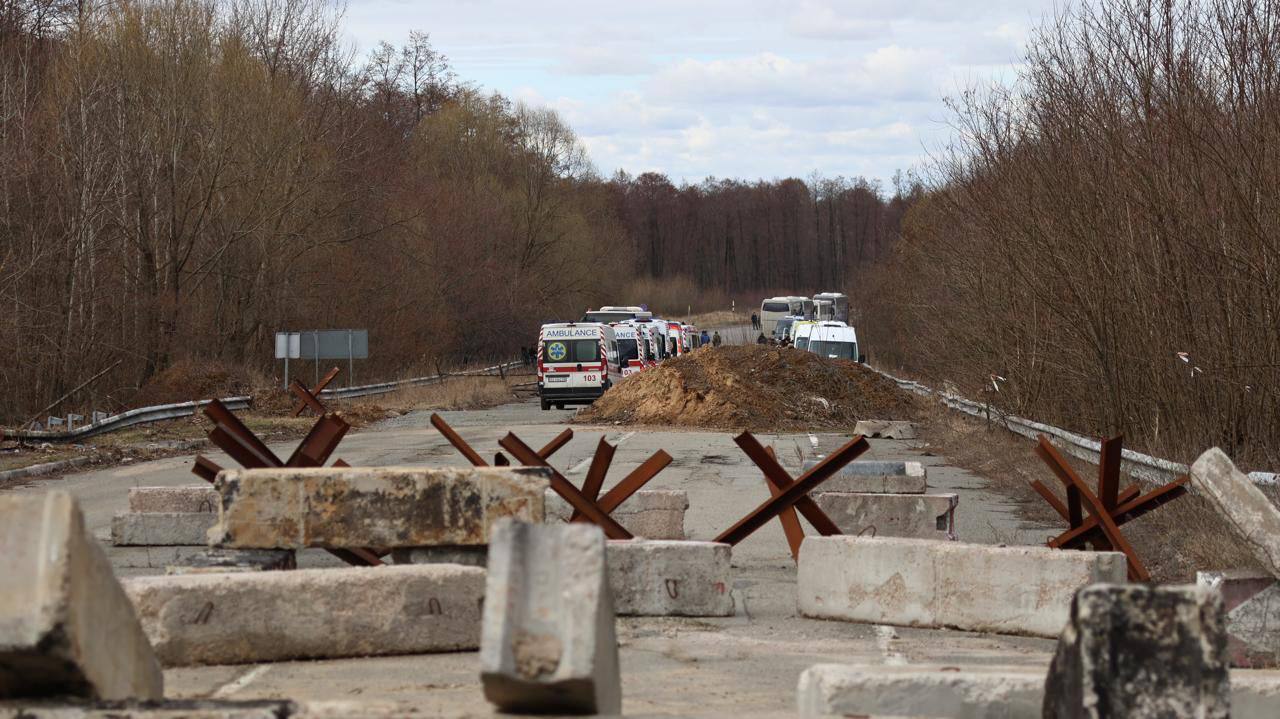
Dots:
pixel 755 321
pixel 715 339
pixel 706 339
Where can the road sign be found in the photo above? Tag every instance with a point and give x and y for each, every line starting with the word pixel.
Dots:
pixel 288 345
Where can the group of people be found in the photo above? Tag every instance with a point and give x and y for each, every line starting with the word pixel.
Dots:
pixel 773 341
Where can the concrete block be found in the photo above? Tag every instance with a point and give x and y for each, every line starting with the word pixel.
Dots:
pixel 194 499
pixel 1252 606
pixel 66 626
pixel 470 556
pixel 875 477
pixel 924 516
pixel 885 429
pixel 548 644
pixel 166 709
pixel 971 692
pixel 212 561
pixel 1141 651
pixel 309 613
pixel 371 506
pixel 1242 504
pixel 656 578
pixel 649 513
pixel 165 529
pixel 924 583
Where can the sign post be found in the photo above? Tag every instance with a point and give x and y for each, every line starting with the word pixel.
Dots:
pixel 318 345
pixel 287 347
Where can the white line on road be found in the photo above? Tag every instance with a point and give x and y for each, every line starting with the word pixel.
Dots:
pixel 240 682
pixel 583 464
pixel 884 638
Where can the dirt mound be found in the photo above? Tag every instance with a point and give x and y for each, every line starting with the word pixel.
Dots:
pixel 753 387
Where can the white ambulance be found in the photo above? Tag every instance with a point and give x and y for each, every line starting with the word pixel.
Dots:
pixel 577 362
pixel 631 348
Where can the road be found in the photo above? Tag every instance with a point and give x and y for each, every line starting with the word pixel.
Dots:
pixel 746 665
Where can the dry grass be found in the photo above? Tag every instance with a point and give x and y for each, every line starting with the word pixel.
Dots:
pixel 719 318
pixel 1174 542
pixel 454 394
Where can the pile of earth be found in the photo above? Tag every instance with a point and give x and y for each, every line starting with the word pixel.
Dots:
pixel 753 387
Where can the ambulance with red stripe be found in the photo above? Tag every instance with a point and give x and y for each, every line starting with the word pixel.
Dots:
pixel 631 348
pixel 577 362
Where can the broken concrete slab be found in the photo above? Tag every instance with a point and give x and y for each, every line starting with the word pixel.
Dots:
pixel 971 692
pixel 1244 506
pixel 875 477
pixel 1252 606
pixel 657 578
pixel 649 513
pixel 161 529
pixel 236 560
pixel 166 709
pixel 1141 651
pixel 235 618
pixel 372 506
pixel 925 583
pixel 66 626
pixel 549 643
pixel 885 429
pixel 924 516
pixel 194 499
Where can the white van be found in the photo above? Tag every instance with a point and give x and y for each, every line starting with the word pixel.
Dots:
pixel 800 333
pixel 630 348
pixel 834 340
pixel 577 362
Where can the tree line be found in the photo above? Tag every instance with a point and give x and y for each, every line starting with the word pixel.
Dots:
pixel 180 179
pixel 1100 249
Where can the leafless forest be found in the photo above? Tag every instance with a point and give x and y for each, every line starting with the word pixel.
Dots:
pixel 181 179
pixel 1104 235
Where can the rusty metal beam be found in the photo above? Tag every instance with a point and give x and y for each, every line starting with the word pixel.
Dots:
pixel 315 392
pixel 231 425
pixel 1128 494
pixel 245 454
pixel 457 441
pixel 205 468
pixel 1050 454
pixel 563 487
pixel 776 476
pixel 500 460
pixel 1109 459
pixel 791 528
pixel 308 400
pixel 820 473
pixel 595 475
pixel 555 444
pixel 320 442
pixel 638 478
pixel 1130 508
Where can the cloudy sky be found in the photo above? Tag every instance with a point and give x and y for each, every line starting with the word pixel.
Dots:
pixel 727 88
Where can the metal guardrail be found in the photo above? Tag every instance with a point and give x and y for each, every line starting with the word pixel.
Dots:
pixel 128 418
pixel 159 413
pixel 1143 466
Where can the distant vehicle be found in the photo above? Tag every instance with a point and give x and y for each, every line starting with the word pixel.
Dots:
pixel 782 328
pixel 839 303
pixel 652 334
pixel 629 358
pixel 801 306
pixel 834 340
pixel 577 362
pixel 692 338
pixel 800 332
pixel 824 310
pixel 610 314
pixel 772 310
pixel 676 342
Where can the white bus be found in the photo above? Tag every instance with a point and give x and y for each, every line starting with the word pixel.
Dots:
pixel 772 310
pixel 823 310
pixel 801 306
pixel 610 314
pixel 834 340
pixel 839 305
pixel 577 362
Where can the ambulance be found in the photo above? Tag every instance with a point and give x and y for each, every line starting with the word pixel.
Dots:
pixel 631 349
pixel 577 362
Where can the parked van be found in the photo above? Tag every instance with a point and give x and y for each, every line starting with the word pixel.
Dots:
pixel 800 332
pixel 834 340
pixel 629 348
pixel 577 362
pixel 783 326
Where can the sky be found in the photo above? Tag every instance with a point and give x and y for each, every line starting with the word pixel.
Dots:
pixel 728 88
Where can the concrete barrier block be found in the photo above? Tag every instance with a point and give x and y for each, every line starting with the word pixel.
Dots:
pixel 875 477
pixel 649 513
pixel 548 644
pixel 656 578
pixel 161 529
pixel 194 499
pixel 924 583
pixel 1252 606
pixel 1141 651
pixel 371 506
pixel 211 561
pixel 924 516
pixel 166 709
pixel 66 626
pixel 885 429
pixel 309 613
pixel 1242 504
pixel 971 692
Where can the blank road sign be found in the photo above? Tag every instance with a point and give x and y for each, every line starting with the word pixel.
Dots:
pixel 333 344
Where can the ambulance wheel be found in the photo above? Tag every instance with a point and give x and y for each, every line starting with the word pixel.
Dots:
pixel 545 405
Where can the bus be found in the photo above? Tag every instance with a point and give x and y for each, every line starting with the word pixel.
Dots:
pixel 577 362
pixel 801 307
pixel 839 305
pixel 823 310
pixel 610 314
pixel 772 310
